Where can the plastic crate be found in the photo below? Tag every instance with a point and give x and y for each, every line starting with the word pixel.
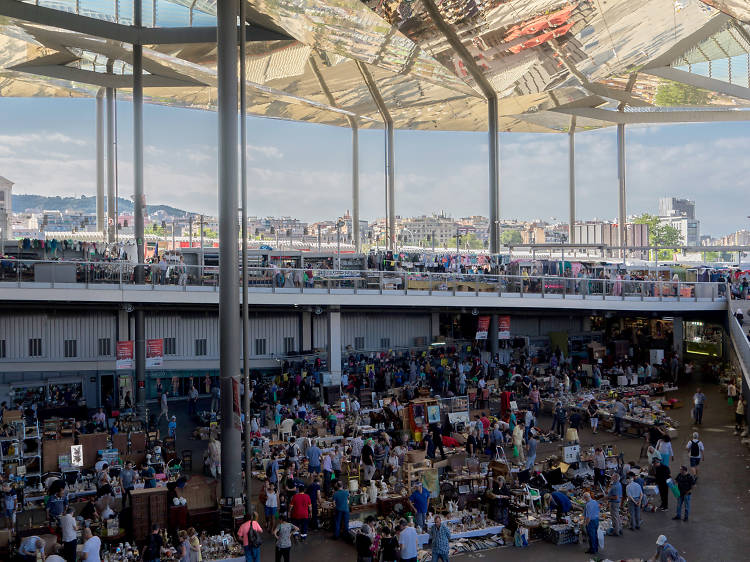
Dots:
pixel 561 534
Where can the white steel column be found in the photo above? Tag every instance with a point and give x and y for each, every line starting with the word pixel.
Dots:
pixel 572 180
pixel 621 177
pixel 355 187
pixel 101 220
pixel 229 305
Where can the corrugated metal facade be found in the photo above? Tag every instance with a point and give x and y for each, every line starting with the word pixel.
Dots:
pixel 401 330
pixel 359 330
pixel 186 328
pixel 53 330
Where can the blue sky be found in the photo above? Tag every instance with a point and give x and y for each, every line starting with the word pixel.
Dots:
pixel 47 147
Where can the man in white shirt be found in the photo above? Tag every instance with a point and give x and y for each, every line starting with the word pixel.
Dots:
pixel 407 542
pixel 68 526
pixel 91 548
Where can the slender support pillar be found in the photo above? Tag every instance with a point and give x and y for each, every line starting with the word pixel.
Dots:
pixel 245 306
pixel 390 182
pixel 202 260
pixel 229 306
pixel 334 340
pixel 355 187
pixel 101 220
pixel 494 170
pixel 390 166
pixel 138 211
pixel 621 177
pixel 111 218
pixel 572 180
pixel 494 348
pixel 355 157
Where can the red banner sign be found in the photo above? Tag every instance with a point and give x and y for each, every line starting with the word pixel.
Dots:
pixel 154 353
pixel 124 355
pixel 503 327
pixel 483 327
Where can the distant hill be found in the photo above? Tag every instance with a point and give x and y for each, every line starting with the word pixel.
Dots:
pixel 84 204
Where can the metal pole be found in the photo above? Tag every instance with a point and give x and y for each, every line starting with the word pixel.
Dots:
pixel 245 306
pixel 110 93
pixel 138 211
pixel 355 187
pixel 390 182
pixel 572 179
pixel 229 333
pixel 338 245
pixel 101 221
pixel 202 262
pixel 458 235
pixel 173 242
pixel 621 178
pixel 494 167
pixel 319 238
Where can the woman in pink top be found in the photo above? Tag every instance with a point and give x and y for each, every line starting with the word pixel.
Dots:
pixel 250 534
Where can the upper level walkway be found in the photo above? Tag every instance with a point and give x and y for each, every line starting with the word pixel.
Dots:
pixel 114 282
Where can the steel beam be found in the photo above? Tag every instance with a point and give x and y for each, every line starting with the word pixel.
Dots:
pixel 355 188
pixel 658 117
pixel 111 218
pixel 245 306
pixel 621 178
pixel 698 81
pixel 572 180
pixel 138 212
pixel 492 118
pixel 133 34
pixel 390 189
pixel 494 172
pixel 229 333
pixel 101 220
pixel 355 154
pixel 117 81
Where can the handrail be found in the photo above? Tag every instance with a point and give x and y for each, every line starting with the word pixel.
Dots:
pixel 741 346
pixel 35 273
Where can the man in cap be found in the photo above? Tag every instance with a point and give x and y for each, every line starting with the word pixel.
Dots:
pixel 665 552
pixel 420 502
pixel 172 427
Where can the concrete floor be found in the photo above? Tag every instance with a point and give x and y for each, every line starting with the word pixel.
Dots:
pixel 720 509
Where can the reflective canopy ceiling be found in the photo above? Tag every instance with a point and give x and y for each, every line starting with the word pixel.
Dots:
pixel 544 59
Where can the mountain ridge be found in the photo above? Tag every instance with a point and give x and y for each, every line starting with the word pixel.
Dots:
pixel 83 204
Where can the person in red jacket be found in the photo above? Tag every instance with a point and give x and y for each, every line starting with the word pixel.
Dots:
pixel 301 511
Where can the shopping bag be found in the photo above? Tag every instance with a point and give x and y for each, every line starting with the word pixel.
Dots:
pixel 731 401
pixel 673 486
pixel 515 450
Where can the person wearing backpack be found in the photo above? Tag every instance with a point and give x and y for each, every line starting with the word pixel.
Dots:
pixel 695 447
pixel 250 533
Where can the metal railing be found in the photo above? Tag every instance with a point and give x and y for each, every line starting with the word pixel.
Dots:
pixel 741 346
pixel 46 274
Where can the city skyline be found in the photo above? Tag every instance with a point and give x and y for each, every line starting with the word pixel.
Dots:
pixel 303 170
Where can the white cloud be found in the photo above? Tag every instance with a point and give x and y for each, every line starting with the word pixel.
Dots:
pixel 45 137
pixel 270 152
